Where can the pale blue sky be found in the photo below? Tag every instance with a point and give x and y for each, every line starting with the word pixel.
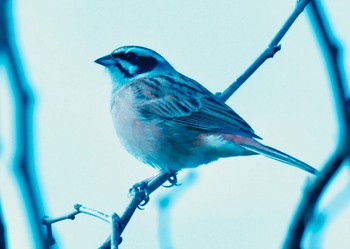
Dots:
pixel 237 202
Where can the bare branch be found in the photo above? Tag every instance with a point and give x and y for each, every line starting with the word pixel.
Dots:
pixel 115 235
pixel 92 212
pixel 136 200
pixel 79 209
pixel 270 51
pixel 70 216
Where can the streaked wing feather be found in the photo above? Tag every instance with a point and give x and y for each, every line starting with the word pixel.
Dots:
pixel 187 102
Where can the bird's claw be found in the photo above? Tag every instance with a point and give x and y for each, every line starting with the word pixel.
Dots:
pixel 140 189
pixel 172 180
pixel 143 202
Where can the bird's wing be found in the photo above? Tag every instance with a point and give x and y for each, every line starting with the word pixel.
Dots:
pixel 186 102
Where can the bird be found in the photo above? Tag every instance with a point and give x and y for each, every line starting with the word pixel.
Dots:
pixel 170 121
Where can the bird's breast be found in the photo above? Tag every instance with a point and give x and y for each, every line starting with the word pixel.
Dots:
pixel 139 136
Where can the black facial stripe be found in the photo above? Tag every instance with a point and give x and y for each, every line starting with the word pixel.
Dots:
pixel 143 63
pixel 123 70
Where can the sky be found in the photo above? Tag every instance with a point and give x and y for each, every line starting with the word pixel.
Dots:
pixel 245 202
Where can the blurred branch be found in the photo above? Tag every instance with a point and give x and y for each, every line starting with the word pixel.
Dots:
pixel 23 161
pixel 269 52
pixel 328 214
pixel 333 58
pixel 3 244
pixel 165 202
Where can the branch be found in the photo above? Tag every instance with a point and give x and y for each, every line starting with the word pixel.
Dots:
pixel 137 198
pixel 78 209
pixel 115 228
pixel 118 224
pixel 23 161
pixel 3 244
pixel 328 214
pixel 331 51
pixel 269 52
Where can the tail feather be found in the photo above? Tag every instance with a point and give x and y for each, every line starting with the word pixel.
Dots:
pixel 278 155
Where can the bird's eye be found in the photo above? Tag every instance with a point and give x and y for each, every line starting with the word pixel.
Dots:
pixel 131 56
pixel 115 55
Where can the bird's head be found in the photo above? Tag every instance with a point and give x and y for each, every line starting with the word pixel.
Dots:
pixel 130 62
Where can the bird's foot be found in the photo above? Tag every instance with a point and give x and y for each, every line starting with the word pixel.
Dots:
pixel 140 189
pixel 172 180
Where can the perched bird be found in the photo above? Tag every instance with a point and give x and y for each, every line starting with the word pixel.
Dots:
pixel 170 121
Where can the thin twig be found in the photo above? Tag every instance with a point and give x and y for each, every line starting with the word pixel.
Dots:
pixel 269 52
pixel 23 161
pixel 117 224
pixel 78 209
pixel 92 212
pixel 331 51
pixel 70 216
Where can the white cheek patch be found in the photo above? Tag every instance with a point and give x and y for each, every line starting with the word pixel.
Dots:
pixel 131 68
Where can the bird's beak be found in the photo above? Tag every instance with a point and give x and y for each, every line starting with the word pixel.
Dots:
pixel 105 60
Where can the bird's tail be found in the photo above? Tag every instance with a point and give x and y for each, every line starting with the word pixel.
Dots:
pixel 259 148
